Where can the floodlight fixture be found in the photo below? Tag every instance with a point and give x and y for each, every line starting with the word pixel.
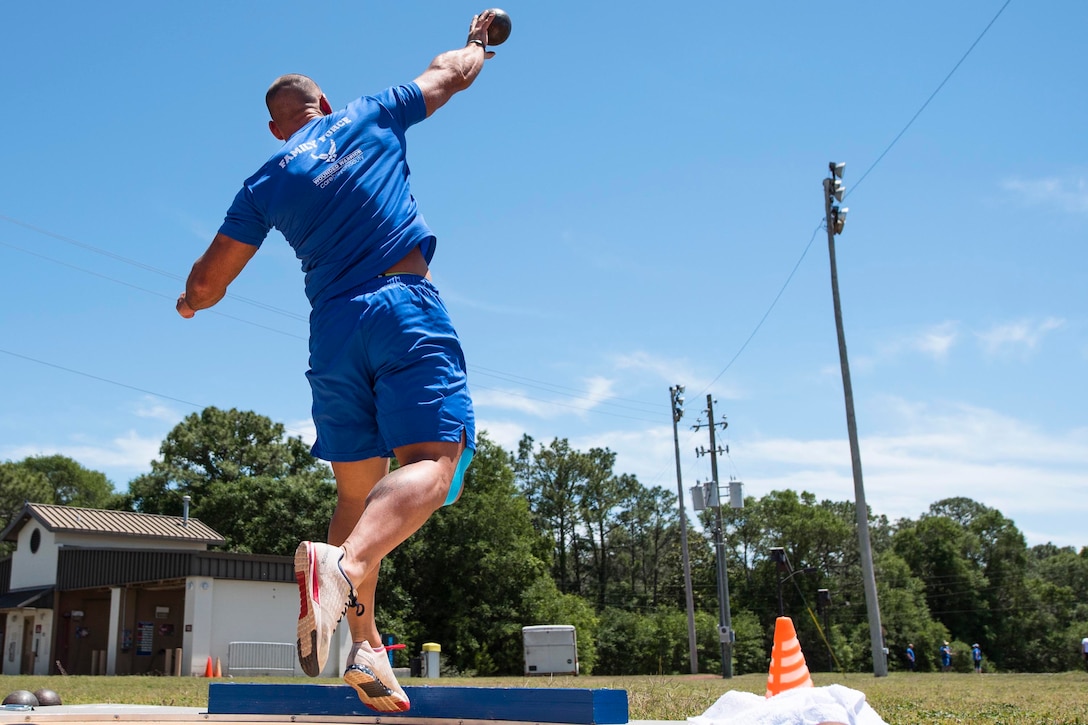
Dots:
pixel 837 169
pixel 677 396
pixel 838 218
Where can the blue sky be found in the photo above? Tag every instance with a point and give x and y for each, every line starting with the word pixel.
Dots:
pixel 628 198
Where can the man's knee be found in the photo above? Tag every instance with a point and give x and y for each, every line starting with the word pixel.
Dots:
pixel 458 480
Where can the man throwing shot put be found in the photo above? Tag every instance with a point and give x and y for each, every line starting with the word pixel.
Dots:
pixel 386 367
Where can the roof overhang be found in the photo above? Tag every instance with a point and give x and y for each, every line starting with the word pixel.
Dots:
pixel 41 597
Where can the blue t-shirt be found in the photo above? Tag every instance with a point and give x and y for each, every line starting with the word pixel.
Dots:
pixel 338 191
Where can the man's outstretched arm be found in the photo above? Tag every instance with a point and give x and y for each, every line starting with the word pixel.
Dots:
pixel 212 274
pixel 455 70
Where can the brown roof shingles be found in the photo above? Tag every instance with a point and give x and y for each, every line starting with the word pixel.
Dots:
pixel 74 519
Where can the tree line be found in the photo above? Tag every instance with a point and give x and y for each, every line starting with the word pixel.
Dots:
pixel 548 534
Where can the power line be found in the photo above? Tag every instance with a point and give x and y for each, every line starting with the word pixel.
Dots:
pixel 931 97
pixel 141 265
pixel 480 370
pixel 100 378
pixel 593 406
pixel 110 381
pixel 160 295
pixel 493 373
pixel 856 184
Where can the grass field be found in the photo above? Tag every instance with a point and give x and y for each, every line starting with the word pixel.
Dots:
pixel 900 698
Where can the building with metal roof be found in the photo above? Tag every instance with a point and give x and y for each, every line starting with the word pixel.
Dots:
pixel 89 591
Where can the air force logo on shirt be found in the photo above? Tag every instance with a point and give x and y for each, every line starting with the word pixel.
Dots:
pixel 312 146
pixel 329 156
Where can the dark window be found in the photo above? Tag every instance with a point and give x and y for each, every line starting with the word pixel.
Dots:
pixel 35 541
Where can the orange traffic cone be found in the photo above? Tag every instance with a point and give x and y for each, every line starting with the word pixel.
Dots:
pixel 788 668
pixel 218 668
pixel 208 668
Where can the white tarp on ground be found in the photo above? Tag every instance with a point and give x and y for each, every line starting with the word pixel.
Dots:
pixel 799 706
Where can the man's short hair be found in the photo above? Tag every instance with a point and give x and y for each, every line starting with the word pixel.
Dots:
pixel 288 92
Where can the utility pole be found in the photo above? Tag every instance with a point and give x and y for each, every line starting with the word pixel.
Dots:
pixel 836 219
pixel 676 402
pixel 725 618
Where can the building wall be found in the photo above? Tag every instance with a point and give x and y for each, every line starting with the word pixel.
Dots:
pixel 264 612
pixel 26 641
pixel 39 568
pixel 237 602
pixel 34 568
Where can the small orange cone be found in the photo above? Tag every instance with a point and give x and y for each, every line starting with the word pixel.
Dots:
pixel 218 668
pixel 788 668
pixel 208 668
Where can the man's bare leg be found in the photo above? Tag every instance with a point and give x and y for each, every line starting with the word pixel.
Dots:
pixel 398 505
pixel 354 482
pixel 391 510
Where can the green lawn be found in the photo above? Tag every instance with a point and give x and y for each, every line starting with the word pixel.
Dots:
pixel 900 698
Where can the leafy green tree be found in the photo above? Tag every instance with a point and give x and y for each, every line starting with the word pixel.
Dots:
pixel 72 484
pixel 260 489
pixel 646 548
pixel 904 616
pixel 604 500
pixel 1063 567
pixel 266 515
pixel 465 572
pixel 750 651
pixel 550 479
pixel 944 555
pixel 19 486
pixel 545 604
pixel 223 446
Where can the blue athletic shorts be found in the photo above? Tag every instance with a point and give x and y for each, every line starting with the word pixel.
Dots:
pixel 387 370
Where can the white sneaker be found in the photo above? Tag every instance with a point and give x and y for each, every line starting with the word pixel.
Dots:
pixel 325 593
pixel 373 679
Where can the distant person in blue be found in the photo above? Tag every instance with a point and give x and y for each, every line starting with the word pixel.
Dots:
pixel 976 657
pixel 911 660
pixel 387 372
pixel 946 657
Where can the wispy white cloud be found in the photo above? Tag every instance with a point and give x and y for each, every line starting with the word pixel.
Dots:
pixel 154 409
pixel 488 398
pixel 129 454
pixel 302 428
pixel 1034 477
pixel 934 342
pixel 544 404
pixel 648 453
pixel 1020 336
pixel 662 367
pixel 674 372
pixel 1065 194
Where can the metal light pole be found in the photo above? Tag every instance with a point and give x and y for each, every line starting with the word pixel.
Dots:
pixel 676 402
pixel 823 606
pixel 836 218
pixel 725 619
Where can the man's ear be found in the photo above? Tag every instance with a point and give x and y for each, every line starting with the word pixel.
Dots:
pixel 275 130
pixel 324 105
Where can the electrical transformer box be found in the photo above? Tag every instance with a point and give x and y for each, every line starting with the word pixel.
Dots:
pixel 550 649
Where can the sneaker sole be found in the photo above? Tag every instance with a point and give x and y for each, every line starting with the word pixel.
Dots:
pixel 373 692
pixel 307 622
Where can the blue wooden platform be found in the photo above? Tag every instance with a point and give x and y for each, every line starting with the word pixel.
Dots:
pixel 516 704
